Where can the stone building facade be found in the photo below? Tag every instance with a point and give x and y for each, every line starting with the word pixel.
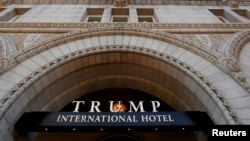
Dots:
pixel 194 55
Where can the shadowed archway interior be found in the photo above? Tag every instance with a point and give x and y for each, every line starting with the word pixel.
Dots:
pixel 114 94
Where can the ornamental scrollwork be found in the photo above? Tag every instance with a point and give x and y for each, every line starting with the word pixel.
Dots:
pixel 38 47
pixel 6 63
pixel 5 2
pixel 231 3
pixel 232 66
pixel 120 3
pixel 134 2
pixel 242 79
pixel 134 49
pixel 231 49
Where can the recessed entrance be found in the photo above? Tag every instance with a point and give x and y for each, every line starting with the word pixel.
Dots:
pixel 129 132
pixel 117 79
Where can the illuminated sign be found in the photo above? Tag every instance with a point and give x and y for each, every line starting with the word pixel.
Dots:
pixel 94 119
pixel 119 106
pixel 103 119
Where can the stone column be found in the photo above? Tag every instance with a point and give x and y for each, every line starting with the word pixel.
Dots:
pixel 133 17
pixel 106 15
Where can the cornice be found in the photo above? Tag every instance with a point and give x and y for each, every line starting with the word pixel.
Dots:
pixel 130 2
pixel 6 27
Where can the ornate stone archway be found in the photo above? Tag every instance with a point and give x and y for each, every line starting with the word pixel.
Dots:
pixel 180 72
pixel 231 59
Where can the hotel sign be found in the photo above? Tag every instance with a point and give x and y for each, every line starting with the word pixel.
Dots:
pixel 135 117
pixel 117 106
pixel 86 121
pixel 121 119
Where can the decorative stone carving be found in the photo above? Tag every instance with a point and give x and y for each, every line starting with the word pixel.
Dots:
pixel 205 40
pixel 175 40
pixel 30 39
pixel 26 53
pixel 120 3
pixel 168 27
pixel 4 2
pixel 231 3
pixel 5 63
pixel 138 2
pixel 234 4
pixel 7 45
pixel 140 50
pixel 233 65
pixel 2 50
pixel 240 77
pixel 231 48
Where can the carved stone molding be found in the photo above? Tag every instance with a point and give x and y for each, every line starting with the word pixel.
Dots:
pixel 5 2
pixel 184 43
pixel 198 77
pixel 31 38
pixel 234 4
pixel 120 3
pixel 6 63
pixel 39 47
pixel 231 3
pixel 130 2
pixel 205 40
pixel 231 49
pixel 2 48
pixel 7 45
pixel 170 27
pixel 230 64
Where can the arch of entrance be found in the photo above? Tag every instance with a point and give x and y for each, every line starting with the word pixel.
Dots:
pixel 186 75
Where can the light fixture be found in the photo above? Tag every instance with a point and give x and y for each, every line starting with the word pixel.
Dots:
pixel 119 107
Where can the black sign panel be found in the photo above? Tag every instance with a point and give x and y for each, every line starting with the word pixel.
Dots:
pixel 108 121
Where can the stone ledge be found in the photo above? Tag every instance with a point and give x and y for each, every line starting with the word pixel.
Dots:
pixel 130 2
pixel 169 27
